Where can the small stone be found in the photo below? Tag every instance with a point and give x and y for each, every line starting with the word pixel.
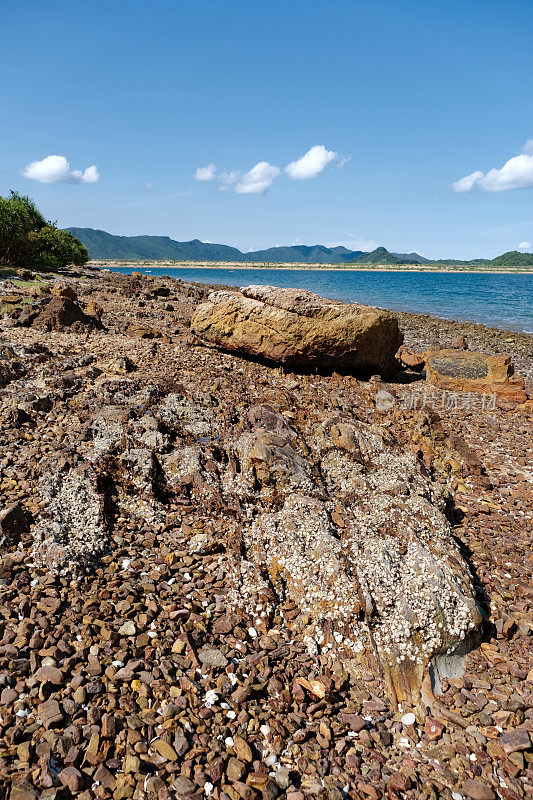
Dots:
pixel 71 778
pixel 478 790
pixel 211 657
pixel 408 719
pixel 108 728
pixel 23 791
pixel 183 786
pixel 50 713
pixel 103 776
pixel 517 739
pixel 399 782
pixel 433 729
pixel 355 721
pixel 8 696
pixel 235 769
pixel 128 628
pixel 164 749
pixel 282 778
pixel 243 749
pixel 49 674
pixel 24 752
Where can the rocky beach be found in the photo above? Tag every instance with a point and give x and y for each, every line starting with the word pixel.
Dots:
pixel 260 545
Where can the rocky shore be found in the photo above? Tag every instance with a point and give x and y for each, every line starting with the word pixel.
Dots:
pixel 167 630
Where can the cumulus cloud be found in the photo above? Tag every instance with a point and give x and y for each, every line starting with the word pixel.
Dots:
pixel 206 173
pixel 258 179
pixel 467 183
pixel 56 169
pixel 516 173
pixel 311 163
pixel 524 245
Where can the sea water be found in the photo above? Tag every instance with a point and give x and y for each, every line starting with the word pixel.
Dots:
pixel 496 300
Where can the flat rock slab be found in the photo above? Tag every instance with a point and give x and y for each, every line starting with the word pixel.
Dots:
pixel 299 328
pixel 467 371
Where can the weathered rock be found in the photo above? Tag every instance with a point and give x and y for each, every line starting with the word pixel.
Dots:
pixel 414 361
pixel 72 779
pixel 517 739
pixel 143 332
pixel 467 371
pixel 477 790
pixel 49 674
pixel 390 585
pixel 60 313
pixel 50 713
pixel 73 531
pixel 62 289
pixel 14 522
pixel 298 328
pixel 94 309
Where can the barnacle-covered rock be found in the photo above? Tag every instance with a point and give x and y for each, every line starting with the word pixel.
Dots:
pixel 299 328
pixel 73 531
pixel 389 584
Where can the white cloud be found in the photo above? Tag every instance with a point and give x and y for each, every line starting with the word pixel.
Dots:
pixel 354 242
pixel 230 177
pixel 311 164
pixel 524 245
pixel 206 173
pixel 516 173
pixel 258 179
pixel 467 183
pixel 56 169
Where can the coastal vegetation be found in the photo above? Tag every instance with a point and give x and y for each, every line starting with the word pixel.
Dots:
pixel 27 239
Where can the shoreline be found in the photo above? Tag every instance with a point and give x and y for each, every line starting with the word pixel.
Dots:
pixel 307 267
pixel 404 310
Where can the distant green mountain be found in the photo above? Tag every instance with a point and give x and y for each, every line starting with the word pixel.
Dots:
pixel 161 248
pixel 513 259
pixel 158 248
pixel 382 256
pixel 103 245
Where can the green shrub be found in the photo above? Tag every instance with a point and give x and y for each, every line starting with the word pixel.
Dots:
pixel 28 240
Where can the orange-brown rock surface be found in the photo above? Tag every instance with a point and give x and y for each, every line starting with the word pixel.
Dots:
pixel 468 371
pixel 297 327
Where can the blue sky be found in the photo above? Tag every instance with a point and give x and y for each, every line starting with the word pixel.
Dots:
pixel 405 98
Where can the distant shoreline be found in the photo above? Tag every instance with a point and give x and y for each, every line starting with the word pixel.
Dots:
pixel 259 265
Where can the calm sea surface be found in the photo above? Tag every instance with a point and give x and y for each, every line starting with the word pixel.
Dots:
pixel 501 301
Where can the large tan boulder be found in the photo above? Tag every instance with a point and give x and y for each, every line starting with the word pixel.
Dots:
pixel 468 371
pixel 299 328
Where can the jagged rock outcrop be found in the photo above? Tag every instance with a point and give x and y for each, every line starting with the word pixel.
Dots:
pixel 299 328
pixel 57 314
pixel 381 580
pixel 334 518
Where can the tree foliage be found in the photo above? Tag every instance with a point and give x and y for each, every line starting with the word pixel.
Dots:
pixel 28 240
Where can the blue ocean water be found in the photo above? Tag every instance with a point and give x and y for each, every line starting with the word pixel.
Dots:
pixel 496 300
